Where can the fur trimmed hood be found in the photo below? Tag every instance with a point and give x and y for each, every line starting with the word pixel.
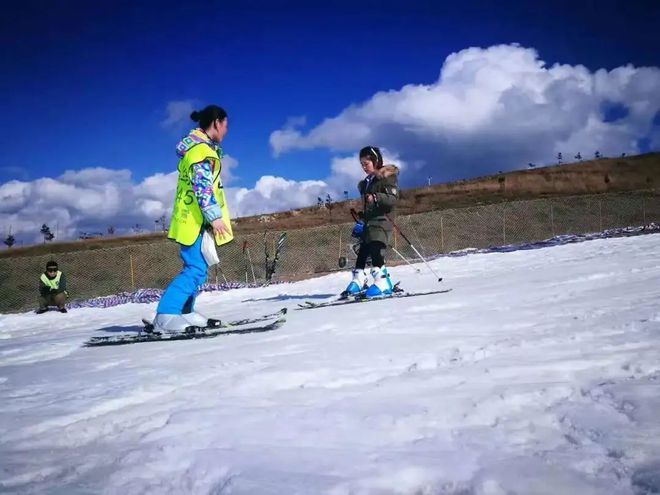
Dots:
pixel 387 171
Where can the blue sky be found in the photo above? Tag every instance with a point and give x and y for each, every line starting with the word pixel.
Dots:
pixel 88 84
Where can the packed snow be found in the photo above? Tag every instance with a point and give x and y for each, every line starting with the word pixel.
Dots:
pixel 539 373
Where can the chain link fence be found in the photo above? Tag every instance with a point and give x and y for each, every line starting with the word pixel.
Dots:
pixel 93 273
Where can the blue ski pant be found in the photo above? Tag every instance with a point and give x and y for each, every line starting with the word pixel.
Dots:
pixel 179 297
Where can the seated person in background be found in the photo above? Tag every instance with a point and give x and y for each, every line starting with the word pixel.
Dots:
pixel 52 289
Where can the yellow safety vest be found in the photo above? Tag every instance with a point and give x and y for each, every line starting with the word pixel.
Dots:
pixel 187 219
pixel 52 283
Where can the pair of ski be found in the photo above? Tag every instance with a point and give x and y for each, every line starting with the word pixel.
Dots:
pixel 259 324
pixel 361 297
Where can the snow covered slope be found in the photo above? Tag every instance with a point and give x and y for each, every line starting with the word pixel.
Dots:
pixel 538 374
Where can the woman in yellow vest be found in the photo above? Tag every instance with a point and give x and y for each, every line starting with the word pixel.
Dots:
pixel 199 204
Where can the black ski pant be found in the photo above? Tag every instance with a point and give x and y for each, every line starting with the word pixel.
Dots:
pixel 373 249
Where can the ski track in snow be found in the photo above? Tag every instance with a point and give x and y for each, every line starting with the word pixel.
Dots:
pixel 538 374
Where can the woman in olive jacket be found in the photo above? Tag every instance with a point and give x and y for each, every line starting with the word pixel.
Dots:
pixel 379 192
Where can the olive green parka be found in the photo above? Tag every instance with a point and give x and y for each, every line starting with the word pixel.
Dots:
pixel 383 185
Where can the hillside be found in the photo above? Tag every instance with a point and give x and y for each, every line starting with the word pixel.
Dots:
pixel 587 177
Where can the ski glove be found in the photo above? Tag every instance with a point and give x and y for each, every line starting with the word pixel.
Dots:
pixel 358 229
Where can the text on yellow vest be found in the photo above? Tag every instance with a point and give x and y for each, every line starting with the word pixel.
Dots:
pixel 187 219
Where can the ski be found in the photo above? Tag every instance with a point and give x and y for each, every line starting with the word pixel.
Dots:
pixel 277 314
pixel 363 299
pixel 247 325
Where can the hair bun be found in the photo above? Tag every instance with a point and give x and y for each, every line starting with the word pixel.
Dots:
pixel 195 116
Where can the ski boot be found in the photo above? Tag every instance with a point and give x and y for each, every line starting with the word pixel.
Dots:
pixel 199 320
pixel 357 285
pixel 382 285
pixel 171 324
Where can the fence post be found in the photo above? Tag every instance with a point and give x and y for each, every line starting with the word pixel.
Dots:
pixel 130 257
pixel 504 223
pixel 644 210
pixel 442 236
pixel 552 218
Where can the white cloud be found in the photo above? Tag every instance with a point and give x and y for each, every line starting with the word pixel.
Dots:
pixel 178 114
pixel 346 171
pixel 88 199
pixel 228 165
pixel 493 109
pixel 271 193
pixel 274 194
pixel 92 199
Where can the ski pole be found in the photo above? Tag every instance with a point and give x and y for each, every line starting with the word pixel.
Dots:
pixel 406 260
pixel 254 279
pixel 413 247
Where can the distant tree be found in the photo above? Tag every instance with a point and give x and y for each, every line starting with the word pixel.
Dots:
pixel 597 154
pixel 137 228
pixel 10 241
pixel 111 230
pixel 531 165
pixel 623 155
pixel 428 181
pixel 45 231
pixel 559 158
pixel 162 221
pixel 329 203
pixel 346 195
pixel 578 157
pixel 319 202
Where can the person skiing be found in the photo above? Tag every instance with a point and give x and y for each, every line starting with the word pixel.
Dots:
pixel 52 289
pixel 199 204
pixel 379 192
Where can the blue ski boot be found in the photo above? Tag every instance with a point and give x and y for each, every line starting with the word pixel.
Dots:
pixel 357 285
pixel 382 285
